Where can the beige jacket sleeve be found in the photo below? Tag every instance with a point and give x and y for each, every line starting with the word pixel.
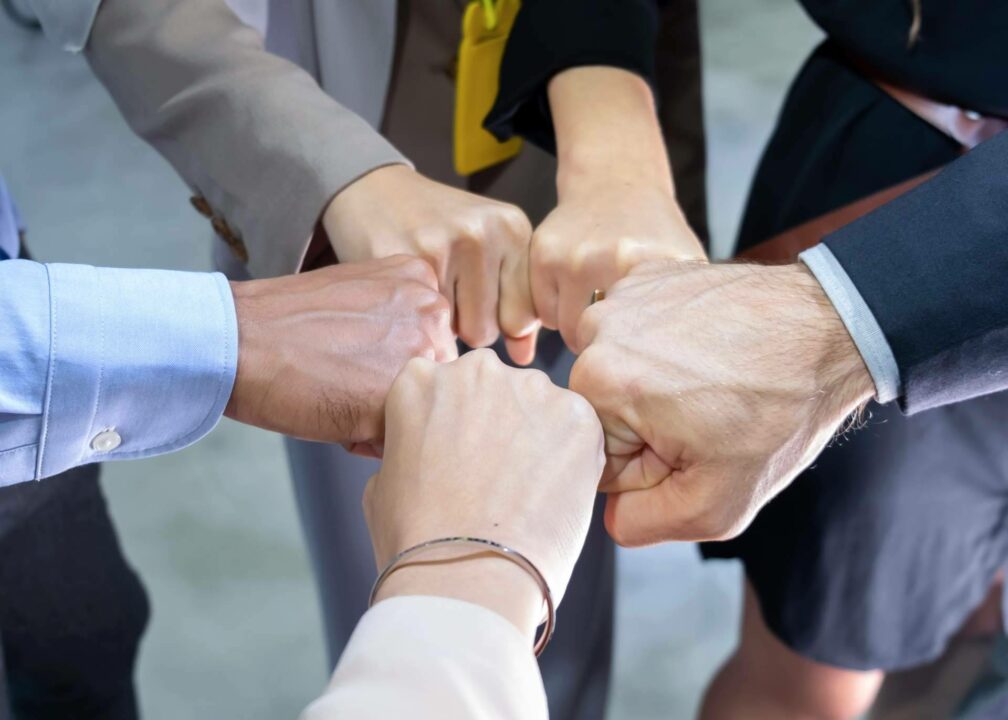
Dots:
pixel 250 132
pixel 429 658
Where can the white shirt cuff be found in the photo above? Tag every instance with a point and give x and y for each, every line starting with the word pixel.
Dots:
pixel 857 317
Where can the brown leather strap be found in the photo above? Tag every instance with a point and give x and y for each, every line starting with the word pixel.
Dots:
pixel 965 127
pixel 785 247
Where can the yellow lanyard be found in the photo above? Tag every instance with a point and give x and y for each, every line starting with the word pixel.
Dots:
pixel 489 14
pixel 485 28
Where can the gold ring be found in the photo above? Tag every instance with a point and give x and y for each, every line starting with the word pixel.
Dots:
pixel 597 294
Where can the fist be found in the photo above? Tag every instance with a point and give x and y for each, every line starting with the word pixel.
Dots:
pixel 317 352
pixel 716 385
pixel 478 448
pixel 596 235
pixel 477 247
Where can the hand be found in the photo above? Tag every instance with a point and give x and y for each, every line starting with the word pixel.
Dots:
pixel 716 386
pixel 477 448
pixel 601 229
pixel 317 352
pixel 477 247
pixel 617 205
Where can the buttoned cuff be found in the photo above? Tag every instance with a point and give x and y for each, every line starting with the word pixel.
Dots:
pixel 857 317
pixel 142 362
pixel 67 22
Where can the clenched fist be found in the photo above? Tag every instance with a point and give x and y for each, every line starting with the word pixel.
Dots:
pixel 477 247
pixel 317 352
pixel 617 205
pixel 716 386
pixel 477 448
pixel 598 233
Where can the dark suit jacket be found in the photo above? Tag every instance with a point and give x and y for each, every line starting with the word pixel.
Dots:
pixel 933 264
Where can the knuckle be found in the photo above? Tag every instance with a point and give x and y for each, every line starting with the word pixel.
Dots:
pixel 481 336
pixel 545 250
pixel 517 222
pixel 417 371
pixel 436 312
pixel 580 410
pixel 483 359
pixel 588 375
pixel 418 269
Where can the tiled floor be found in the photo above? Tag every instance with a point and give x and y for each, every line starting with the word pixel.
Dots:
pixel 235 631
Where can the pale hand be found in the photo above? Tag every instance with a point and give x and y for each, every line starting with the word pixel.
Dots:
pixel 476 448
pixel 478 248
pixel 317 352
pixel 602 228
pixel 716 386
pixel 617 205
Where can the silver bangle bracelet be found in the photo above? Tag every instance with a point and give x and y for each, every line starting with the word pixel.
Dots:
pixel 486 546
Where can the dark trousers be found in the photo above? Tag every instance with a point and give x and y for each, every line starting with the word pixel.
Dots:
pixel 72 611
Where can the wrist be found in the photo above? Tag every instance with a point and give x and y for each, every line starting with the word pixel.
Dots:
pixel 606 126
pixel 371 193
pixel 837 360
pixel 244 299
pixel 485 579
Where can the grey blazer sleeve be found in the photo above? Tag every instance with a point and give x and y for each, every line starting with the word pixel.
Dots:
pixel 250 132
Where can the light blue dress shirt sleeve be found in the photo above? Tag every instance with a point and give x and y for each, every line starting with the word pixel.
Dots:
pixel 857 317
pixel 67 22
pixel 100 364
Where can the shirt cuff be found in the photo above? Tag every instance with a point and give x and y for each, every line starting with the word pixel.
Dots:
pixel 858 319
pixel 142 362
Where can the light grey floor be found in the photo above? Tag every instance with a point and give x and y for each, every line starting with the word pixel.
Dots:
pixel 235 630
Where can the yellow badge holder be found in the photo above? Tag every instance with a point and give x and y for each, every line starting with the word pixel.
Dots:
pixel 485 29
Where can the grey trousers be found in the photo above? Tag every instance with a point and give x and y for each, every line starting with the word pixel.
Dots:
pixel 328 483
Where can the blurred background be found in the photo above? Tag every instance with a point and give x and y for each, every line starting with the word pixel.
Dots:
pixel 213 530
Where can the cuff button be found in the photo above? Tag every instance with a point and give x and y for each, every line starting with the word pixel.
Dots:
pixel 106 441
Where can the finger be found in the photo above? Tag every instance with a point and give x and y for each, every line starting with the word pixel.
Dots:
pixel 364 449
pixel 544 289
pixel 517 314
pixel 522 350
pixel 642 517
pixel 476 302
pixel 588 325
pixel 443 338
pixel 629 530
pixel 639 470
pixel 575 298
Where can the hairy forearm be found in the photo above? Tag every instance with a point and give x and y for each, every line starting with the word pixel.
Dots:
pixel 606 126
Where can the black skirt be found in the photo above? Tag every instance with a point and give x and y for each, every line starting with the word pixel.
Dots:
pixel 874 556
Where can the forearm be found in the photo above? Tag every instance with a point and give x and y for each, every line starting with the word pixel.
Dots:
pixel 250 132
pixel 606 128
pixel 430 657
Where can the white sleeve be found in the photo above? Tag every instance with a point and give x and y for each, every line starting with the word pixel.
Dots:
pixel 428 658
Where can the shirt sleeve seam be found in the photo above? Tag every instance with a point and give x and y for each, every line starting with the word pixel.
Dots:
pixel 50 378
pixel 101 371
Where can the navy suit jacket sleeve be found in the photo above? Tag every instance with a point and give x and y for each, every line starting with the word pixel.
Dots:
pixel 932 266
